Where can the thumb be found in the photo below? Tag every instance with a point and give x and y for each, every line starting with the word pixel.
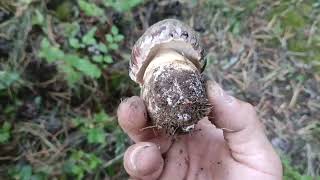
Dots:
pixel 143 161
pixel 243 132
pixel 229 113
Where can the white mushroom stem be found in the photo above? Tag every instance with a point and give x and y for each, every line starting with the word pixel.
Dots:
pixel 164 85
pixel 167 57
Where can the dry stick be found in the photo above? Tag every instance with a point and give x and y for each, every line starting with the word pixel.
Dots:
pixel 6 158
pixel 26 127
pixel 113 161
pixel 295 94
pixel 148 127
pixel 64 95
pixel 310 167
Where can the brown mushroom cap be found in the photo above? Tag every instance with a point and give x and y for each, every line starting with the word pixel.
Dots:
pixel 169 34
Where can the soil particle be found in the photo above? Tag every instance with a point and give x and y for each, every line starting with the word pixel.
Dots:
pixel 186 160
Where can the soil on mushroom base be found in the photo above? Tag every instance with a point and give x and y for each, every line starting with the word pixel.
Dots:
pixel 176 99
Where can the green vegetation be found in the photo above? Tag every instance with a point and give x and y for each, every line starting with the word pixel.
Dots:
pixel 94 127
pixel 90 9
pixel 122 5
pixel 64 70
pixel 5 132
pixel 81 163
pixel 291 173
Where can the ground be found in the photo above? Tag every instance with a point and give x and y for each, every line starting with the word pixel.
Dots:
pixel 64 70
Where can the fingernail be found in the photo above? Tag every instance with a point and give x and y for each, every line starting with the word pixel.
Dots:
pixel 135 156
pixel 122 103
pixel 228 99
pixel 218 92
pixel 215 88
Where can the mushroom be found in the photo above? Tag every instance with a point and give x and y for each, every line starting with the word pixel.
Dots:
pixel 167 62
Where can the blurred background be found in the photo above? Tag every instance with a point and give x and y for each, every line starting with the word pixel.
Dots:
pixel 64 70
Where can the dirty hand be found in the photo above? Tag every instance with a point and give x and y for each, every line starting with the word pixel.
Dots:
pixel 240 150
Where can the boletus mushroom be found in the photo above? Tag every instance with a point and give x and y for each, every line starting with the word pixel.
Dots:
pixel 167 62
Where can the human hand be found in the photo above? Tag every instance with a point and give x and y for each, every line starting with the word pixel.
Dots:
pixel 232 145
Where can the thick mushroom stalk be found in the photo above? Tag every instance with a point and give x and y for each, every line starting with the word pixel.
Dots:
pixel 167 62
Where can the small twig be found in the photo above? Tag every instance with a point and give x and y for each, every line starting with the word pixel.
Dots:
pixel 295 95
pixel 37 131
pixel 148 127
pixel 310 167
pixel 113 161
pixel 6 158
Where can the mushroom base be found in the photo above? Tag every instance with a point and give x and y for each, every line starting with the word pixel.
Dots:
pixel 175 96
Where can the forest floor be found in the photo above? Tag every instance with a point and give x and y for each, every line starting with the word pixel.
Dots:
pixel 64 70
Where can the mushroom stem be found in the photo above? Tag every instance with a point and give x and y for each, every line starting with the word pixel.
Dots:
pixel 167 57
pixel 174 92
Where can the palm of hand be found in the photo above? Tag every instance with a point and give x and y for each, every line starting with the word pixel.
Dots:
pixel 241 150
pixel 204 154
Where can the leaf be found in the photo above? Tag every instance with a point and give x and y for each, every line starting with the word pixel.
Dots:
pixel 84 65
pixel 94 162
pixel 90 9
pixel 5 132
pixel 122 6
pixel 277 29
pixel 108 59
pixel 88 68
pixel 96 135
pixel 114 30
pixel 109 38
pixel 78 171
pixel 37 18
pixel 67 166
pixel 78 121
pixel 71 29
pixel 63 11
pixel 101 117
pixel 7 79
pixel 25 172
pixel 89 38
pixel 75 43
pixel 236 27
pixel 118 38
pixel 49 52
pixel 71 75
pixel 293 19
pixel 114 46
pixel 6 126
pixel 97 59
pixel 102 47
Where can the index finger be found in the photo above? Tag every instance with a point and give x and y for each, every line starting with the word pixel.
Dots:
pixel 133 119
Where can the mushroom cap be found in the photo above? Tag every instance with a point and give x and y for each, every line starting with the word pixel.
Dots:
pixel 166 34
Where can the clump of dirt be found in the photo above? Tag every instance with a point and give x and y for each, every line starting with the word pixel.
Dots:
pixel 176 99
